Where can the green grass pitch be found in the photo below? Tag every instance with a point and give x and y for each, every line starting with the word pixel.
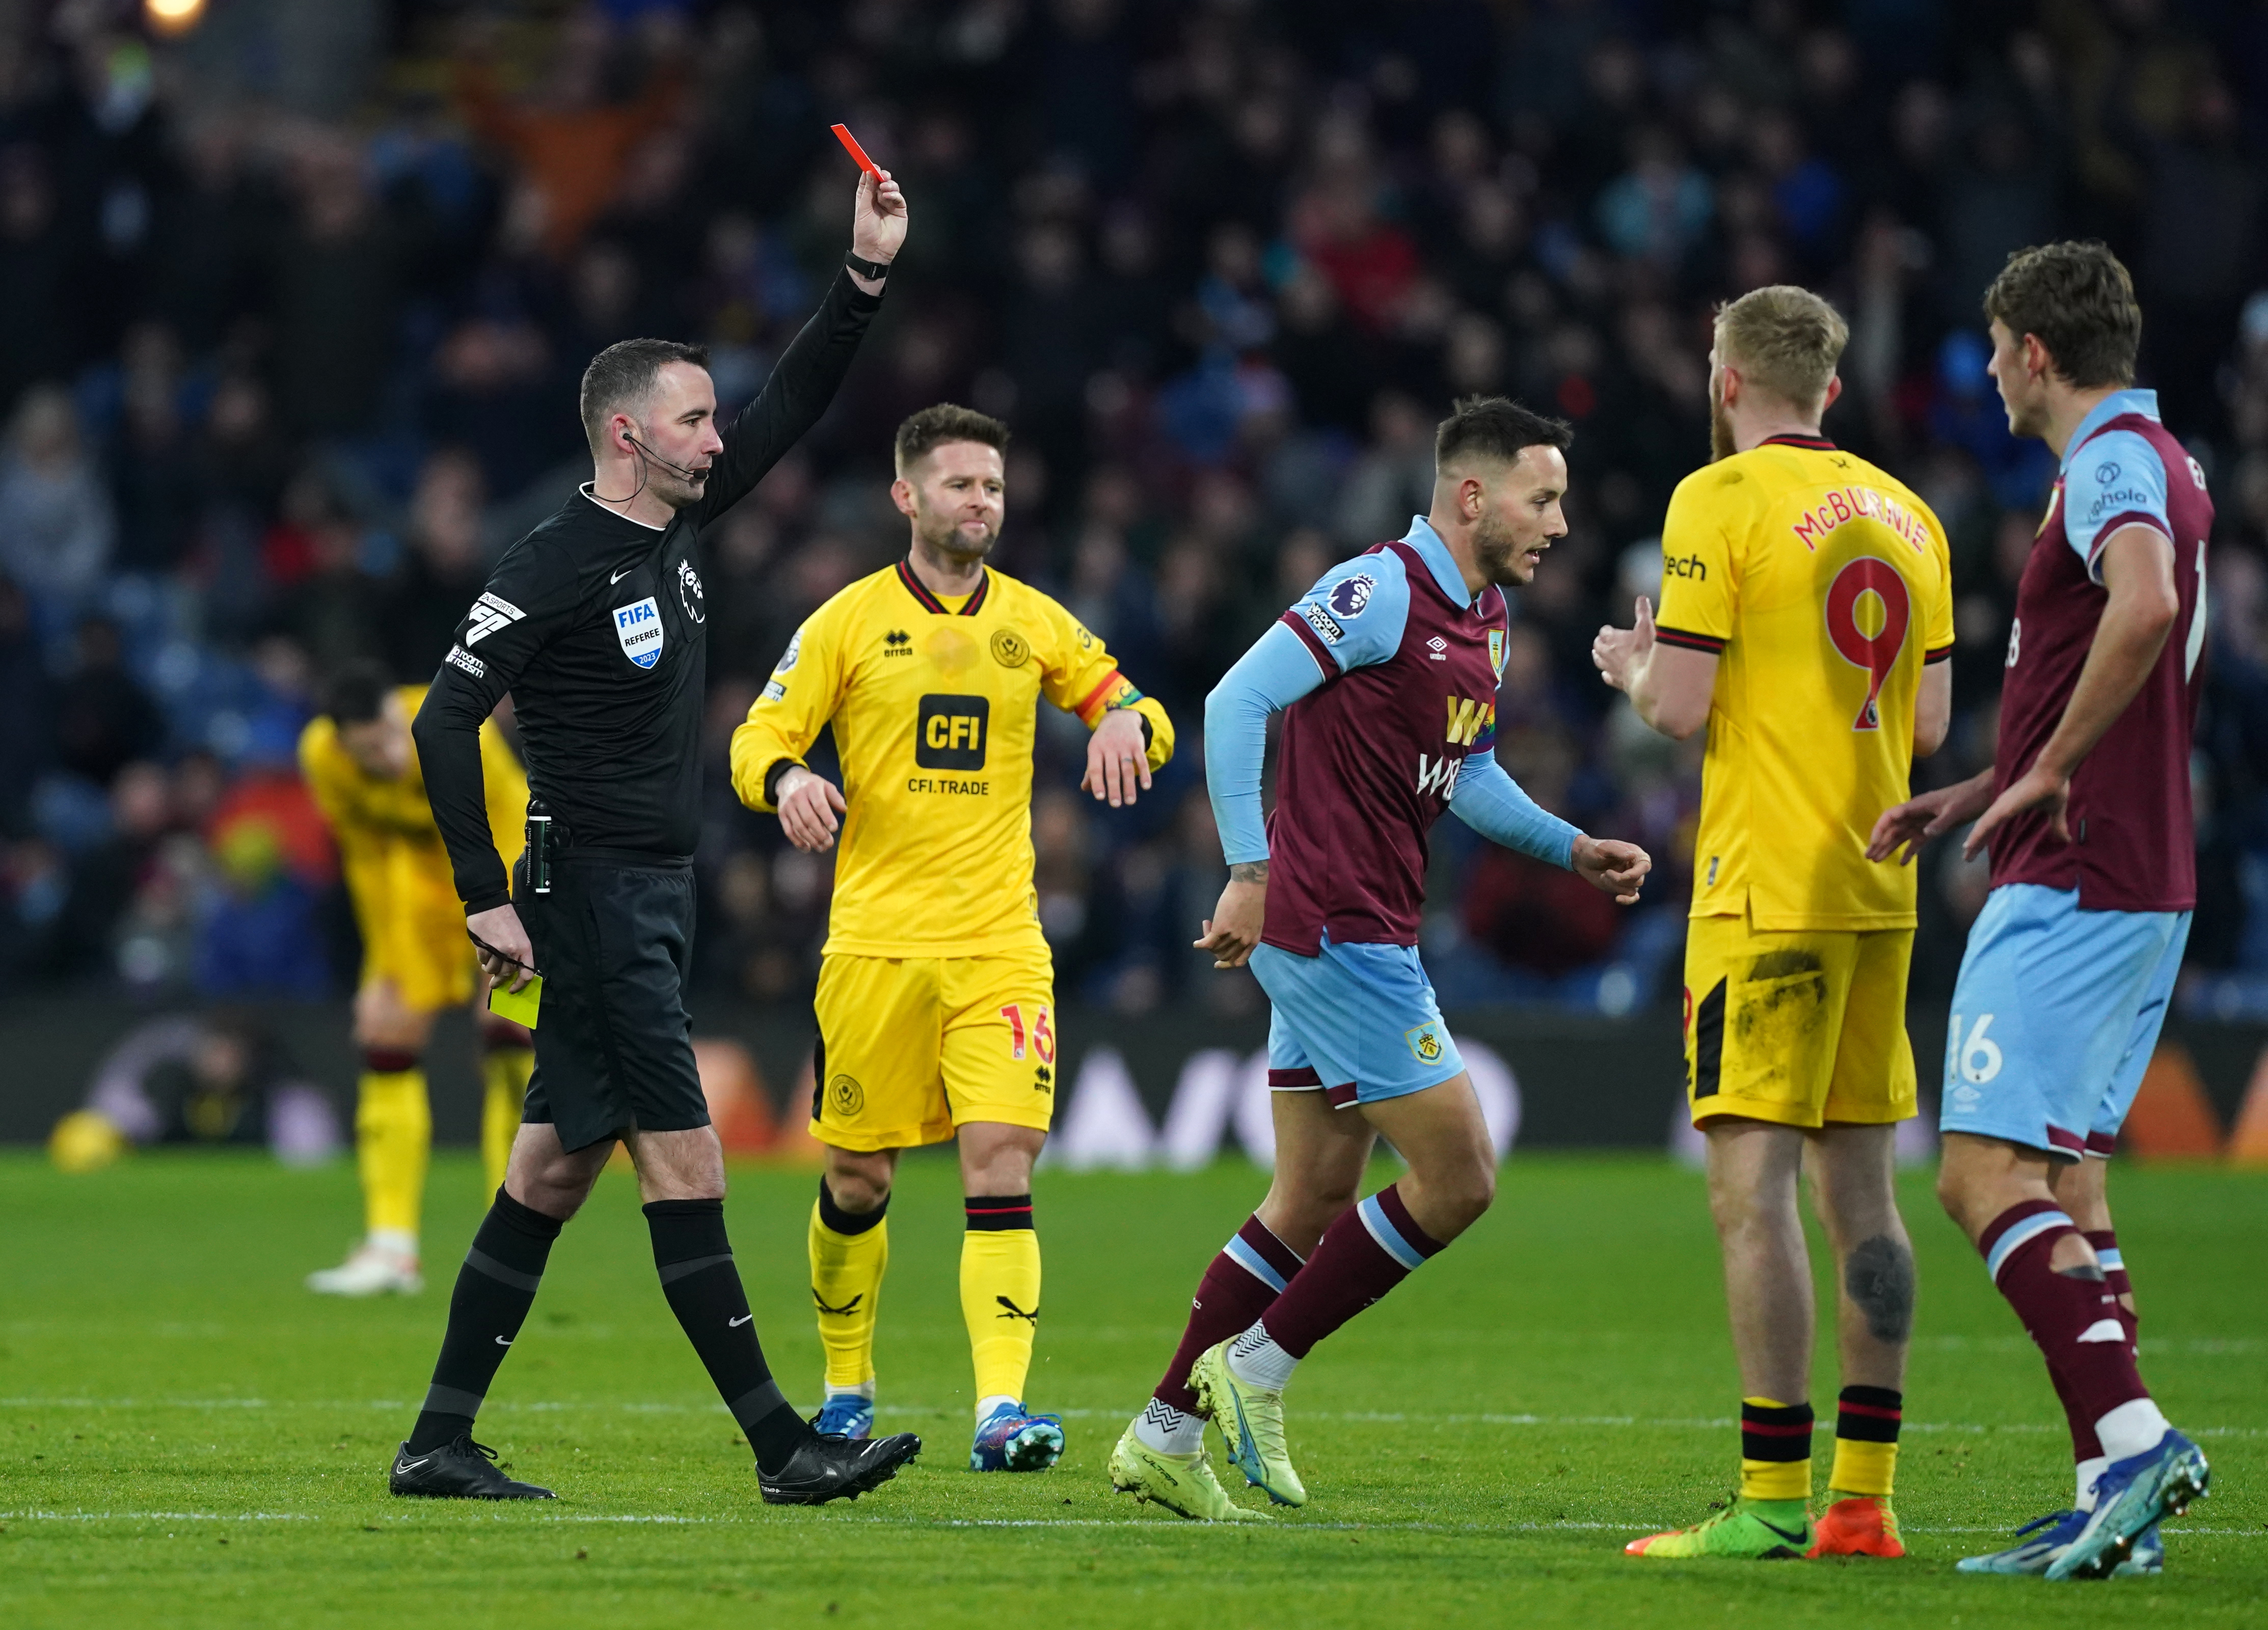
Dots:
pixel 188 1437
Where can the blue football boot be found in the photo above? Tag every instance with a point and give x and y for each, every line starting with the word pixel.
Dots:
pixel 2049 1536
pixel 1009 1440
pixel 2130 1496
pixel 845 1414
pixel 2148 1557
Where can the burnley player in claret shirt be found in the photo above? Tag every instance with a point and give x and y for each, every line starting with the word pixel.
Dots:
pixel 1386 672
pixel 2086 811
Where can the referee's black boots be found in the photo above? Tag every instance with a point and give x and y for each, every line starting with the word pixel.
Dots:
pixel 828 1468
pixel 458 1470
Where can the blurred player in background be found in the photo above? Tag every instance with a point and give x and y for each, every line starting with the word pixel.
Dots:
pixel 935 1000
pixel 2086 813
pixel 1807 613
pixel 1386 672
pixel 360 767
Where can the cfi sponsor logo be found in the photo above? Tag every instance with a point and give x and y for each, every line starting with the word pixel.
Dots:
pixel 688 592
pixel 1350 595
pixel 1425 1042
pixel 638 630
pixel 1010 648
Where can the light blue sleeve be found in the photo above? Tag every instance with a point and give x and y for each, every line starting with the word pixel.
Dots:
pixel 1489 802
pixel 2116 477
pixel 1357 610
pixel 1276 673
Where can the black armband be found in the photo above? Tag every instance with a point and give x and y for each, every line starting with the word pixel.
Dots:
pixel 780 766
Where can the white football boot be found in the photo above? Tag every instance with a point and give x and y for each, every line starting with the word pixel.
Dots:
pixel 372 1270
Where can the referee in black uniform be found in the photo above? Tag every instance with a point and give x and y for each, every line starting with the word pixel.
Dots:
pixel 594 623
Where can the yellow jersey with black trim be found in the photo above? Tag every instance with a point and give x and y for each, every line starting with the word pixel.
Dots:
pixel 1824 586
pixel 934 706
pixel 389 848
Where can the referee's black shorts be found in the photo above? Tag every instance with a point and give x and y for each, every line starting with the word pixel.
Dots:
pixel 613 1044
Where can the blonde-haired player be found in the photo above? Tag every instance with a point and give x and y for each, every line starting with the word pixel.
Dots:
pixel 936 998
pixel 1806 609
pixel 361 766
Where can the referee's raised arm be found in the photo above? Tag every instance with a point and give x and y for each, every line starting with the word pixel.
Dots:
pixel 805 380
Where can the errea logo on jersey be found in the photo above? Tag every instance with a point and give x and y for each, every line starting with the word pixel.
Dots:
pixel 490 612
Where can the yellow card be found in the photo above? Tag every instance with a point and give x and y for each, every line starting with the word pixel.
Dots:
pixel 520 1006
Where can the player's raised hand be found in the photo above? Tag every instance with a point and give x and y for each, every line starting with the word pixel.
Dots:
pixel 1233 930
pixel 808 805
pixel 1611 866
pixel 1117 759
pixel 878 220
pixel 1619 653
pixel 2036 788
pixel 1931 815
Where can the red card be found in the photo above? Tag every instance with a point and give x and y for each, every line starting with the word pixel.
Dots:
pixel 850 145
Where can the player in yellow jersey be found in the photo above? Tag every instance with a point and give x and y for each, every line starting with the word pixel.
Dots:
pixel 361 766
pixel 1806 609
pixel 936 995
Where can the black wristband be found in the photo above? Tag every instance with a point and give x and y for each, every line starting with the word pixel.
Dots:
pixel 1148 734
pixel 873 271
pixel 780 768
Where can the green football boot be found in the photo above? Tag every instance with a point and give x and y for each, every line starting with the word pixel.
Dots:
pixel 1757 1530
pixel 1251 1423
pixel 1184 1484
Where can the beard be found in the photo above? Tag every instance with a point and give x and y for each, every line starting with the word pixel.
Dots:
pixel 945 536
pixel 1721 445
pixel 1499 552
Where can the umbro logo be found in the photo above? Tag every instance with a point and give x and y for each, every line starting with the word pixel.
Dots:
pixel 897 642
pixel 1438 646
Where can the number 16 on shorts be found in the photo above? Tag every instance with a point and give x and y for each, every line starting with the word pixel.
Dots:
pixel 1039 1036
pixel 1971 1056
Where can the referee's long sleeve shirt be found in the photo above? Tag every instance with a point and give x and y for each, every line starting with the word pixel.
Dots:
pixel 595 624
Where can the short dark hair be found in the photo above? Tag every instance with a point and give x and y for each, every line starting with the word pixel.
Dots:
pixel 357 693
pixel 1496 427
pixel 623 374
pixel 2080 300
pixel 932 427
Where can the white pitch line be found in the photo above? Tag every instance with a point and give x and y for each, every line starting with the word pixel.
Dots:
pixel 1716 1423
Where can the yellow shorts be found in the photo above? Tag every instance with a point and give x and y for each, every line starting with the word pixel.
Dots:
pixel 1801 1027
pixel 413 931
pixel 911 1047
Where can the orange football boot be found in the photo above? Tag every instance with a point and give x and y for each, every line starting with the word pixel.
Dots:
pixel 1857 1525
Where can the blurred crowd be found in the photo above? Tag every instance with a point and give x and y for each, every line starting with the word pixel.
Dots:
pixel 295 302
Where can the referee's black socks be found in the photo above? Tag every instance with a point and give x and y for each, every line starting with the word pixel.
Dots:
pixel 495 1288
pixel 694 1260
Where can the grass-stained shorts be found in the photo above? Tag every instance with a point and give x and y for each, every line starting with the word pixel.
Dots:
pixel 1801 1027
pixel 613 1044
pixel 911 1047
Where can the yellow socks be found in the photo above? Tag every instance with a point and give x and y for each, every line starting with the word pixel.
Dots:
pixel 849 1252
pixel 1866 1420
pixel 503 1073
pixel 1775 1450
pixel 393 1137
pixel 1000 1294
